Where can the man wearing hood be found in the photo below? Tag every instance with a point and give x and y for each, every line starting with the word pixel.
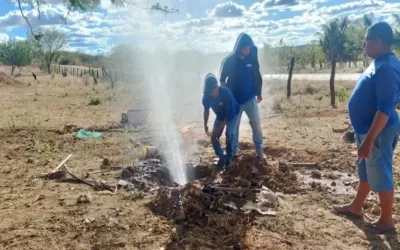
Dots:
pixel 240 72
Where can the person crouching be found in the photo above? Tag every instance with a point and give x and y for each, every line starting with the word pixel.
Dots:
pixel 220 99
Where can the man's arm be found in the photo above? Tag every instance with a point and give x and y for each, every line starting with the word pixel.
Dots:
pixel 258 77
pixel 387 86
pixel 224 71
pixel 206 115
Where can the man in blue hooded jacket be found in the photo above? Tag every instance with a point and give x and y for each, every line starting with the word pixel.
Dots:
pixel 226 109
pixel 240 72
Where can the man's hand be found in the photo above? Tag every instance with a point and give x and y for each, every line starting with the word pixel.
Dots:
pixel 380 121
pixel 206 130
pixel 364 151
pixel 259 99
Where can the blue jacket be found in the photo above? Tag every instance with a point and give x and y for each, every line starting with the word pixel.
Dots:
pixel 229 64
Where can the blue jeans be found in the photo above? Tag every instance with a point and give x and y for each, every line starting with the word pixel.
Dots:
pixel 230 135
pixel 251 110
pixel 377 170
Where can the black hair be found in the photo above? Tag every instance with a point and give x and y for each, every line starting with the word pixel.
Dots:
pixel 382 31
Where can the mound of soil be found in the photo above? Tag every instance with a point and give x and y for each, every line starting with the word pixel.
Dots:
pixel 147 174
pixel 207 220
pixel 6 79
pixel 250 171
pixel 208 211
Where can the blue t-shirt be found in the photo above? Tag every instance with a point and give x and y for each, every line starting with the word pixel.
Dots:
pixel 224 105
pixel 377 89
pixel 244 81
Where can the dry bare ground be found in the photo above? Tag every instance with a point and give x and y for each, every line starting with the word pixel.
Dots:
pixel 44 214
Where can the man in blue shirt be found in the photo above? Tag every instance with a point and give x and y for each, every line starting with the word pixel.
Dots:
pixel 240 72
pixel 372 109
pixel 226 108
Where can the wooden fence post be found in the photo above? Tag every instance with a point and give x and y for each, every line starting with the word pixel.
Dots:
pixel 289 82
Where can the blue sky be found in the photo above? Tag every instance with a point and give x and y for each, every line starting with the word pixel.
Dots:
pixel 206 25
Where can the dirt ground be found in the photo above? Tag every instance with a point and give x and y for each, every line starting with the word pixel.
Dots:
pixel 36 134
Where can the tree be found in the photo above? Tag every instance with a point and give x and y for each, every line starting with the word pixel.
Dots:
pixel 333 41
pixel 15 53
pixel 396 43
pixel 49 46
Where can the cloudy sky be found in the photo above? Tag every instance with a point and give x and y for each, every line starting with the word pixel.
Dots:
pixel 206 25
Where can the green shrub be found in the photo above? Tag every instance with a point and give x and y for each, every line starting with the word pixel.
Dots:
pixel 95 100
pixel 342 94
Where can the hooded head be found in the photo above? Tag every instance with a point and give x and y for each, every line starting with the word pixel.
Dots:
pixel 244 45
pixel 210 85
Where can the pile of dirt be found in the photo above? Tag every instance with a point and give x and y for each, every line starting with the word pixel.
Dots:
pixel 210 212
pixel 210 220
pixel 250 171
pixel 6 79
pixel 146 175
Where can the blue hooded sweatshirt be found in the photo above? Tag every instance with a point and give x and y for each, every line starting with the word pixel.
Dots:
pixel 242 76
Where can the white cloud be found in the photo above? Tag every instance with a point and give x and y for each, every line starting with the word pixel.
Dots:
pixel 227 9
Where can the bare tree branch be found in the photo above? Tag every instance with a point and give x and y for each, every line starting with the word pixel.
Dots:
pixel 26 18
pixel 38 7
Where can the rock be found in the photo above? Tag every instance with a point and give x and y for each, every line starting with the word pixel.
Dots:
pixel 30 161
pixel 333 184
pixel 112 222
pixel 313 185
pixel 106 162
pixel 8 157
pixel 316 174
pixel 84 198
pixel 349 137
pixel 331 176
pixel 375 210
pixel 61 202
pixel 320 188
pixel 293 177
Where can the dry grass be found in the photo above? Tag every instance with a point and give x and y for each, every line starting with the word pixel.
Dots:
pixel 29 105
pixel 307 101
